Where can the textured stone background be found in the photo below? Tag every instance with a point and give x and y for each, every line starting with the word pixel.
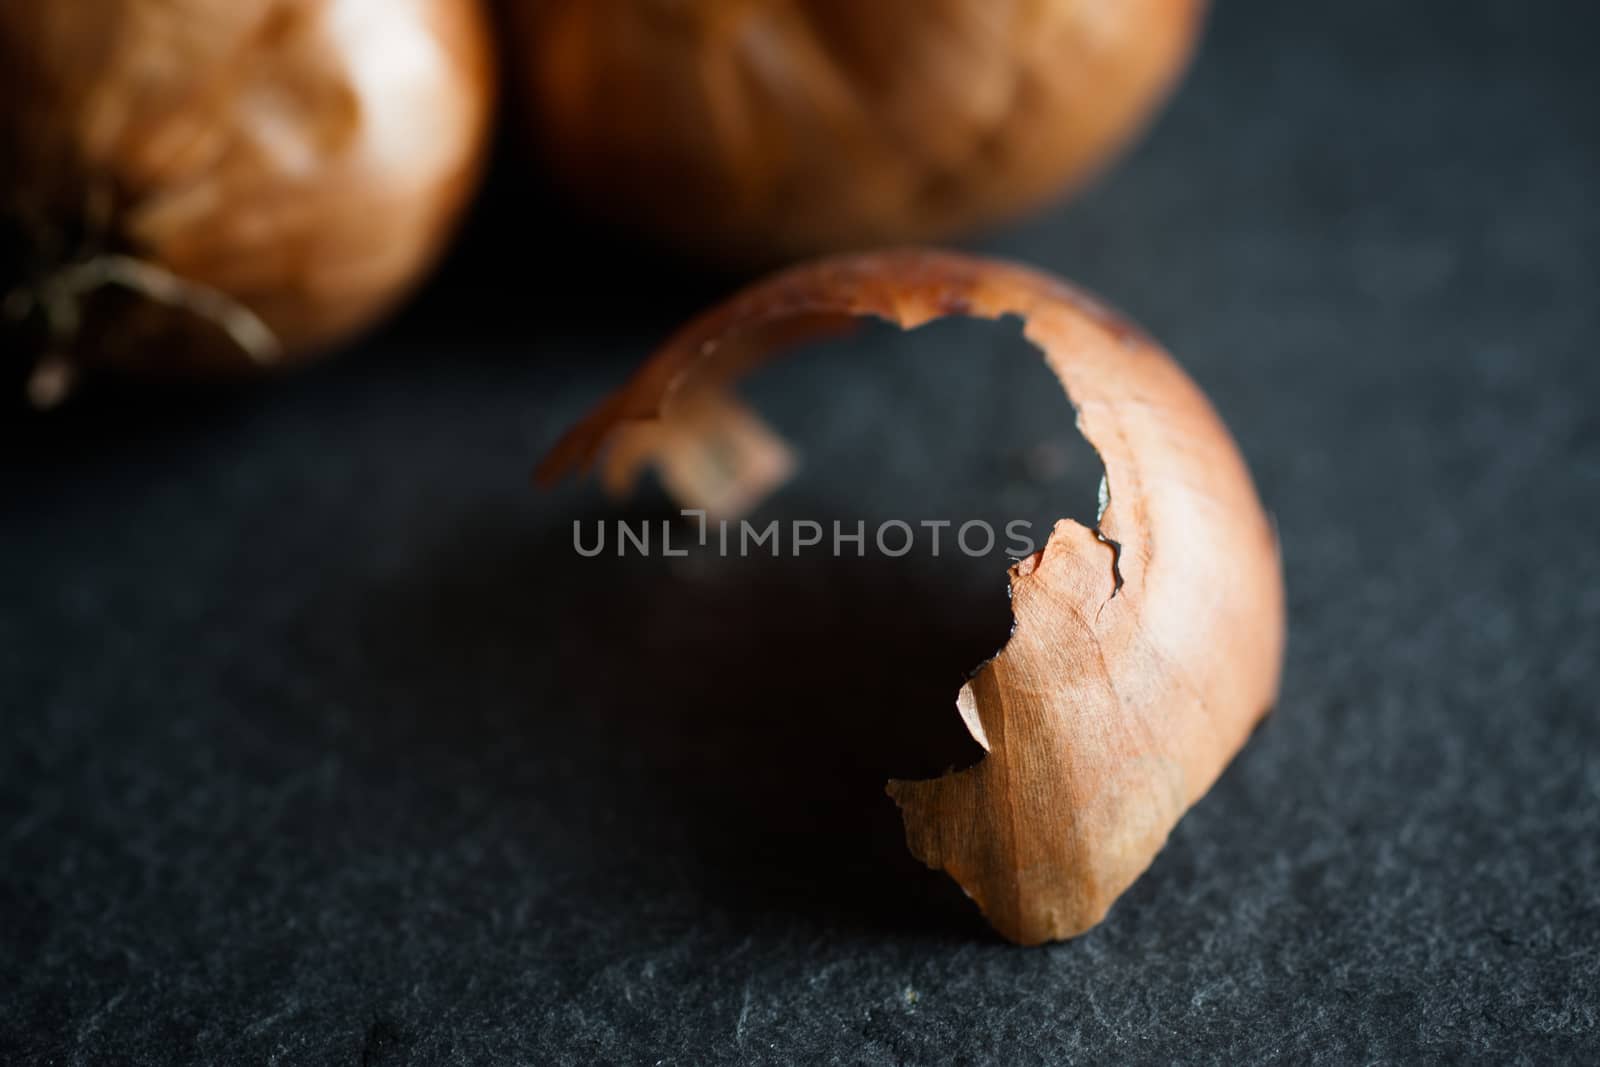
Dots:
pixel 319 745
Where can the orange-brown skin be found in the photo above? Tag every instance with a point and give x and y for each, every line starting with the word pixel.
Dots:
pixel 758 130
pixel 303 158
pixel 1144 652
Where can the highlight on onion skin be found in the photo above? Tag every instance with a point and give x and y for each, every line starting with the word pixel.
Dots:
pixel 1143 652
pixel 196 185
pixel 755 131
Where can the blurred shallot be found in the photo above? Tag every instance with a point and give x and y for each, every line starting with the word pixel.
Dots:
pixel 752 131
pixel 193 186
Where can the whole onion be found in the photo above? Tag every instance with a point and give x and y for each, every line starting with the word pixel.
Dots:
pixel 756 130
pixel 187 184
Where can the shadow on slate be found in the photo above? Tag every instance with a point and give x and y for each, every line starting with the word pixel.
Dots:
pixel 743 714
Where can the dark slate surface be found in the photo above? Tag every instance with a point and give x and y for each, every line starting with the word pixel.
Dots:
pixel 321 746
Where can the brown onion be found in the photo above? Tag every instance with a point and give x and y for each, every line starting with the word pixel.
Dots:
pixel 187 183
pixel 755 130
pixel 1144 651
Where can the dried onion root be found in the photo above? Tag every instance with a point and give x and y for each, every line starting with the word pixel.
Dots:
pixel 1143 651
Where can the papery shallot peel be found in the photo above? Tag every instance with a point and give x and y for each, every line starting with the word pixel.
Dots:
pixel 1143 651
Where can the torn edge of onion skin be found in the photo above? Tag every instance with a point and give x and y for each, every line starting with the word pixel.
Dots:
pixel 908 288
pixel 593 435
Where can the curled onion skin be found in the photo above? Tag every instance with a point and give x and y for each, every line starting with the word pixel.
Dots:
pixel 1143 651
pixel 763 130
pixel 188 183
